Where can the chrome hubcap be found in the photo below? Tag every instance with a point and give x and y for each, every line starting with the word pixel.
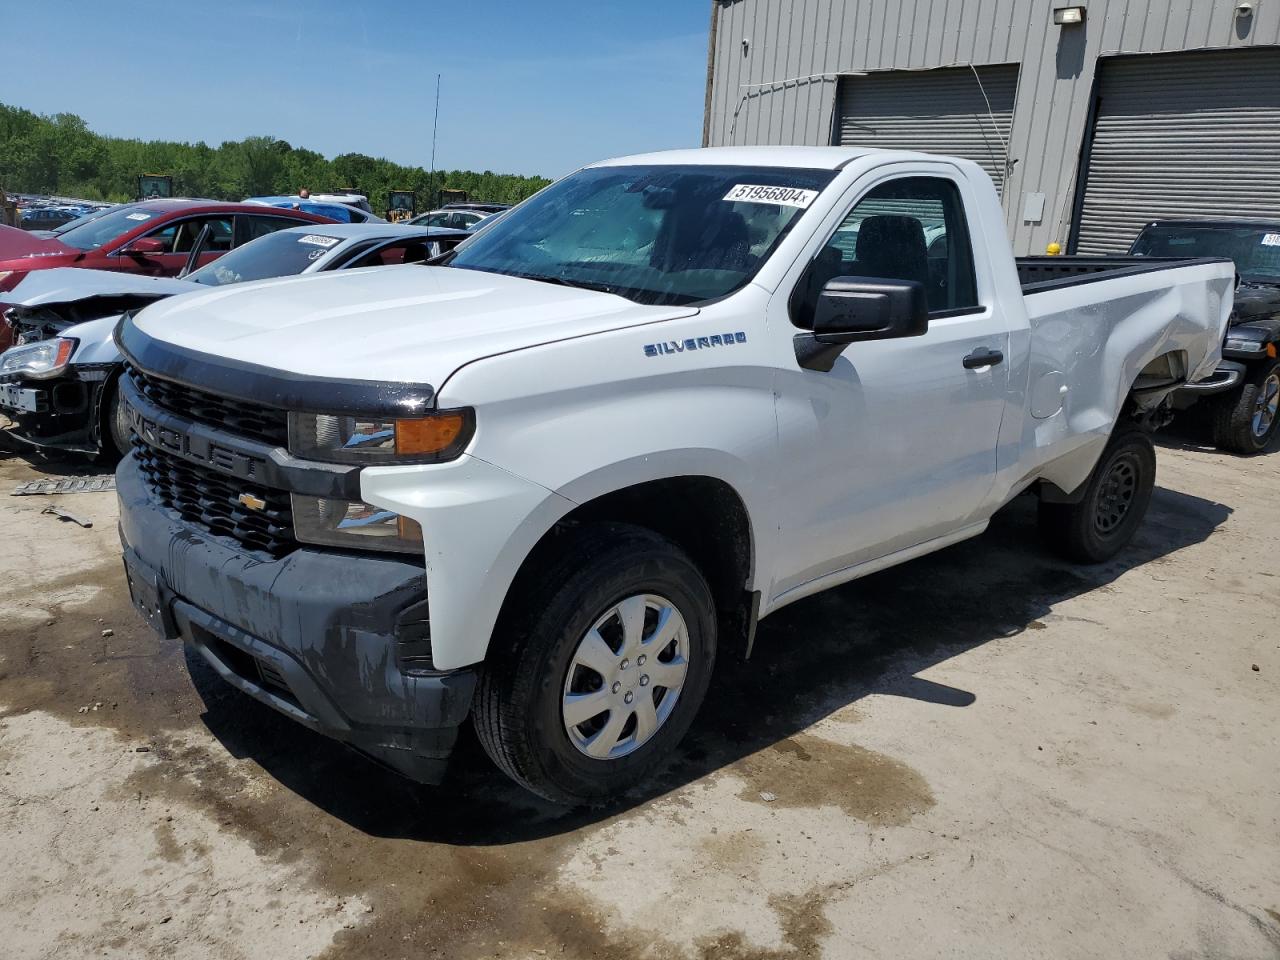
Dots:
pixel 625 677
pixel 1264 410
pixel 1116 495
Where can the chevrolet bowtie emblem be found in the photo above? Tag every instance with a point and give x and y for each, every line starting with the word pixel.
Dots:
pixel 252 502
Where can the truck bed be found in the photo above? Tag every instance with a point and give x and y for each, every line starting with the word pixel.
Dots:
pixel 1038 274
pixel 1096 324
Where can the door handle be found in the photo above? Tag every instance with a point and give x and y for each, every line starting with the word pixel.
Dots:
pixel 982 357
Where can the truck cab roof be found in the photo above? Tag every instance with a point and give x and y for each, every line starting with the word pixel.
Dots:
pixel 819 158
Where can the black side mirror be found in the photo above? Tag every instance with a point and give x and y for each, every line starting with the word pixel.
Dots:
pixel 852 309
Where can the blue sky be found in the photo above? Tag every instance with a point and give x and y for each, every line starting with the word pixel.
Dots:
pixel 535 87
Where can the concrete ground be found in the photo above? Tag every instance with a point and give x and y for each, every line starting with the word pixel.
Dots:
pixel 987 753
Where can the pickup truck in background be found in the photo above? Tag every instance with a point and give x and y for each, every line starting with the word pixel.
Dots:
pixel 543 483
pixel 1243 394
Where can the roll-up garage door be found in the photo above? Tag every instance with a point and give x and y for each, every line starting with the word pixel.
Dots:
pixel 1181 135
pixel 937 111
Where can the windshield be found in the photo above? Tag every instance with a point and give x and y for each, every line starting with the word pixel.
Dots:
pixel 281 254
pixel 93 234
pixel 654 234
pixel 81 221
pixel 1255 249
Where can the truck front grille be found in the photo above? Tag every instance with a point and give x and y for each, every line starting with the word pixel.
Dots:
pixel 240 417
pixel 214 502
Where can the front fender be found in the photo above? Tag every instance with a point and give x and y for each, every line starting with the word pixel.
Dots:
pixel 479 522
pixel 95 341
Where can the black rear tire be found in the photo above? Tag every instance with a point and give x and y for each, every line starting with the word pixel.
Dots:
pixel 1115 501
pixel 518 706
pixel 1240 422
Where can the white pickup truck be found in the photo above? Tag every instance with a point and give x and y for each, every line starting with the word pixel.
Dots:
pixel 542 481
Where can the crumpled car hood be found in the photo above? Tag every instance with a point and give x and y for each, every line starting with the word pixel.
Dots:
pixel 66 284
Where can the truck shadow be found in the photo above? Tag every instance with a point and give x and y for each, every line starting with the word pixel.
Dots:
pixel 811 660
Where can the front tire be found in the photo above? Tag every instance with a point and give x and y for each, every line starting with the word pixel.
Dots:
pixel 1246 422
pixel 598 668
pixel 117 437
pixel 1115 501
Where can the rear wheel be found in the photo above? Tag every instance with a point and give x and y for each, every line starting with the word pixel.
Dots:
pixel 597 671
pixel 1115 501
pixel 1246 422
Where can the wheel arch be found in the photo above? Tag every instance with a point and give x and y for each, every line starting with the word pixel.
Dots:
pixel 704 515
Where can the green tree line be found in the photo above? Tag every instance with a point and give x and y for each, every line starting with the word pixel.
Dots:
pixel 61 155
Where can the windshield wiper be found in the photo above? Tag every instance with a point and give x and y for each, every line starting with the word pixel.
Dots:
pixel 566 282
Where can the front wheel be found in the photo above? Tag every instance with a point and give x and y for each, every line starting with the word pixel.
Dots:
pixel 116 435
pixel 597 670
pixel 1115 501
pixel 1246 422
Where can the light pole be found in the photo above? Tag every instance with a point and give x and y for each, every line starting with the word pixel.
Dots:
pixel 435 125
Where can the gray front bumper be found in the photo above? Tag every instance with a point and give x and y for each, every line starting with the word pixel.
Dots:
pixel 313 635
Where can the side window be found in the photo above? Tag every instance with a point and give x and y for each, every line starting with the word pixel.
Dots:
pixel 180 237
pixel 907 229
pixel 165 235
pixel 251 227
pixel 402 251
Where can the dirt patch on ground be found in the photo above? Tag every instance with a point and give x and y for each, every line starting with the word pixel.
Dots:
pixel 806 771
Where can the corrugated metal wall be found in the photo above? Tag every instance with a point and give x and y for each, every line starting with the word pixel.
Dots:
pixel 948 111
pixel 1182 135
pixel 780 86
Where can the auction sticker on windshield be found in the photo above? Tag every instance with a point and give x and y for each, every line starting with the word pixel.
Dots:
pixel 782 196
pixel 138 216
pixel 1271 240
pixel 318 241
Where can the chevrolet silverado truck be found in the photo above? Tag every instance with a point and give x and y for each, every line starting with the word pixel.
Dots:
pixel 540 482
pixel 1243 393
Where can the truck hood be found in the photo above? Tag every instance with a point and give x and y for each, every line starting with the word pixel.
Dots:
pixel 403 324
pixel 1255 301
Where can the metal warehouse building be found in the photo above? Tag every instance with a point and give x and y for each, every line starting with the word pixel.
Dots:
pixel 1139 109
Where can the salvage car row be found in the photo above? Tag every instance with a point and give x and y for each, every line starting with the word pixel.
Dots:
pixel 548 476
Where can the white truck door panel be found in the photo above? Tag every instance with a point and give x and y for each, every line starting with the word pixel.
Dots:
pixel 881 460
pixel 896 444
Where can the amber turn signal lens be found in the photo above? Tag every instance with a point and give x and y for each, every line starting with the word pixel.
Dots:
pixel 1271 350
pixel 429 435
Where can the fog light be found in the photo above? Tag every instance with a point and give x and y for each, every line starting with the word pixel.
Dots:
pixel 353 524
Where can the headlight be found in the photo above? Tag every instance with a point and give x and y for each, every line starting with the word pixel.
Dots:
pixel 371 441
pixel 353 524
pixel 1244 346
pixel 48 358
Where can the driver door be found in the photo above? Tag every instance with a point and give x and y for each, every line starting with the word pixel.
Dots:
pixel 896 444
pixel 179 237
